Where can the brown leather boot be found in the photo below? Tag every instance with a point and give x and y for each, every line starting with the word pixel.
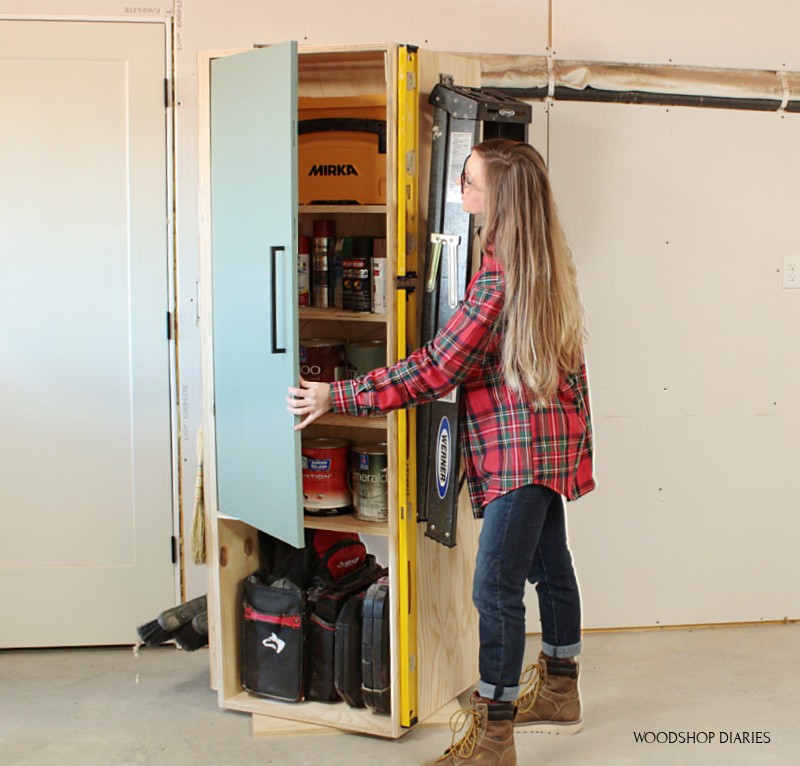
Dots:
pixel 489 740
pixel 549 701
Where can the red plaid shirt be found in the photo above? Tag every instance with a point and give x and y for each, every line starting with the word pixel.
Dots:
pixel 506 442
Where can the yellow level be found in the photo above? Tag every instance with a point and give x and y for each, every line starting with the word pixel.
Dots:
pixel 407 132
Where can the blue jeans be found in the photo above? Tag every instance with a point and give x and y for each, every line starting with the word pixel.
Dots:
pixel 524 537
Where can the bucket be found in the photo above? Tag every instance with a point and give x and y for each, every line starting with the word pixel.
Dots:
pixel 369 481
pixel 326 491
pixel 364 356
pixel 322 359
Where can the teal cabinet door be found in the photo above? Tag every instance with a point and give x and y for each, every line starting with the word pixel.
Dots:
pixel 254 286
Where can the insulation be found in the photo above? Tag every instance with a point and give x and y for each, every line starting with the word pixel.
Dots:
pixel 542 76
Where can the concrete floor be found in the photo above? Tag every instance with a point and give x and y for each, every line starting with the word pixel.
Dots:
pixel 108 707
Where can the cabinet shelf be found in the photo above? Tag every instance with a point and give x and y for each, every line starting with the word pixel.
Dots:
pixel 309 312
pixel 331 209
pixel 352 421
pixel 347 523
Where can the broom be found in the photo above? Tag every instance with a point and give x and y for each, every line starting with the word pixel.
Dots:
pixel 194 634
pixel 167 624
pixel 197 538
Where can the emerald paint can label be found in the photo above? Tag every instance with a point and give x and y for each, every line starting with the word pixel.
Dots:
pixel 369 480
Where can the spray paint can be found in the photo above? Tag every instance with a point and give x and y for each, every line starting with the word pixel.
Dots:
pixel 324 241
pixel 304 270
pixel 379 275
pixel 357 275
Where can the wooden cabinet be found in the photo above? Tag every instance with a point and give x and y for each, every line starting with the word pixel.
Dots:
pixel 251 328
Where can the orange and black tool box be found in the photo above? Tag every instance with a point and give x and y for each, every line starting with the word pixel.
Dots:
pixel 342 150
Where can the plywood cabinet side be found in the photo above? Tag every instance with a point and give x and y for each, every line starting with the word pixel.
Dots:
pixel 447 623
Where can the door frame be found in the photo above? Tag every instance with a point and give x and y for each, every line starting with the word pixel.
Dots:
pixel 179 525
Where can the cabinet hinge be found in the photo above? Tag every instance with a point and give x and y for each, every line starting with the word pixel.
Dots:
pixel 173 547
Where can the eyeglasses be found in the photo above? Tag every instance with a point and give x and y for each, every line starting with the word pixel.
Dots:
pixel 466 181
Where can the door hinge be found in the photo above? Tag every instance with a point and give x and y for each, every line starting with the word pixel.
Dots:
pixel 173 546
pixel 169 325
pixel 169 94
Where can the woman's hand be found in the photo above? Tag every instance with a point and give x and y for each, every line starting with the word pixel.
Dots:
pixel 309 401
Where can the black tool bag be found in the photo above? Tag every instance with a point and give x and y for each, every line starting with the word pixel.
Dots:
pixel 273 637
pixel 324 605
pixel 347 662
pixel 375 669
pixel 326 557
pixel 319 660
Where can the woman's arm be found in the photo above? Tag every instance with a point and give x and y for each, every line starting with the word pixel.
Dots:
pixel 456 354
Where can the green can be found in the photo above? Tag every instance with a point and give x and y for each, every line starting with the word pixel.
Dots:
pixel 364 356
pixel 369 481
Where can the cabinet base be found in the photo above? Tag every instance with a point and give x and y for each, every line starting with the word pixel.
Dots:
pixel 264 726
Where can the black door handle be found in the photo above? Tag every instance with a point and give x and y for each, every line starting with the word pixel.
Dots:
pixel 274 298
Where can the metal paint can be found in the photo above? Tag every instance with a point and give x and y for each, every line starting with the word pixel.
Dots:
pixel 326 490
pixel 323 359
pixel 364 356
pixel 369 480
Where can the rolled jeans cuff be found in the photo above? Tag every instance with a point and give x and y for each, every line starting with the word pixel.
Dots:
pixel 509 694
pixel 561 652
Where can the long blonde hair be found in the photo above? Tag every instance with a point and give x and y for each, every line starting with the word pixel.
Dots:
pixel 544 322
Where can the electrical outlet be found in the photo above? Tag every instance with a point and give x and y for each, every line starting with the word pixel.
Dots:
pixel 791 272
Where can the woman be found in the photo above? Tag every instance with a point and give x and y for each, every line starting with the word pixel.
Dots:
pixel 515 346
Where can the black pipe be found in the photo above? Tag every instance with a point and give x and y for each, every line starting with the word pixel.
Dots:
pixel 562 93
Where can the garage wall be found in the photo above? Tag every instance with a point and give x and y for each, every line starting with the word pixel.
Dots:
pixel 678 219
pixel 739 34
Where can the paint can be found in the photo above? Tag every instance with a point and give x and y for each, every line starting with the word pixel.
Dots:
pixel 364 356
pixel 326 490
pixel 322 359
pixel 369 481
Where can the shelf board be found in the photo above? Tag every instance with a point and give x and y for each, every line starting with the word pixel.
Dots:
pixel 352 421
pixel 330 209
pixel 338 715
pixel 347 523
pixel 344 523
pixel 309 312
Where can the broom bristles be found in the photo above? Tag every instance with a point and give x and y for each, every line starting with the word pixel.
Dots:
pixel 194 634
pixel 198 531
pixel 153 634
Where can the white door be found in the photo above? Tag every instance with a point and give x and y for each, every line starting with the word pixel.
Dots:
pixel 85 442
